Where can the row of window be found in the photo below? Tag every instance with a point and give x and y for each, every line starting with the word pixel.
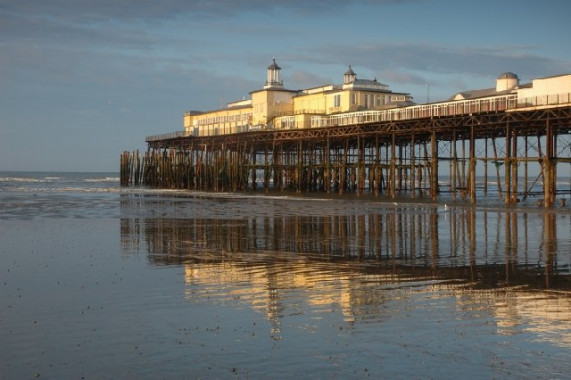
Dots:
pixel 224 119
pixel 369 100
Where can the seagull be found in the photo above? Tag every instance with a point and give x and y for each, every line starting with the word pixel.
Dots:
pixel 446 209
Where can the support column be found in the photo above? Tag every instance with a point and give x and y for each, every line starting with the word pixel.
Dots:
pixel 343 169
pixel 300 173
pixel 463 179
pixel 360 166
pixel 327 173
pixel 393 164
pixel 472 165
pixel 549 168
pixel 454 167
pixel 497 165
pixel 486 167
pixel 377 166
pixel 514 167
pixel 434 166
pixel 412 169
pixel 525 168
pixel 267 170
pixel 400 170
pixel 508 163
pixel 253 167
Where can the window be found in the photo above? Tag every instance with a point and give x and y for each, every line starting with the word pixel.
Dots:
pixel 337 101
pixel 353 98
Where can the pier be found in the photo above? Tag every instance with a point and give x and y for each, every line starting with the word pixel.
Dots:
pixel 360 136
pixel 406 153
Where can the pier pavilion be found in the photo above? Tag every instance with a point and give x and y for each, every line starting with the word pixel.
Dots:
pixel 274 106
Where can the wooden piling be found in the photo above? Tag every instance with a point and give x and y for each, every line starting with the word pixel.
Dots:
pixel 485 190
pixel 434 166
pixel 549 167
pixel 412 167
pixel 508 163
pixel 472 166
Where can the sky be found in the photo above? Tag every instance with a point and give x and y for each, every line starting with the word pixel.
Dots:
pixel 83 80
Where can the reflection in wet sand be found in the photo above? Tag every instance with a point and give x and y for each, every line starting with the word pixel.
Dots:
pixel 514 265
pixel 547 315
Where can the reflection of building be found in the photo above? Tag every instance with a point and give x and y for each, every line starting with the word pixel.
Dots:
pixel 546 315
pixel 274 106
pixel 265 287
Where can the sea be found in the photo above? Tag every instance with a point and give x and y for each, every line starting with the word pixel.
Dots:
pixel 99 281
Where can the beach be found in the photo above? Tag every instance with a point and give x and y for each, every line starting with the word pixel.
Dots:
pixel 99 281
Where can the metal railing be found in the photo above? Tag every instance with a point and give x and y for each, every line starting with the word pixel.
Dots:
pixel 450 108
pixel 167 136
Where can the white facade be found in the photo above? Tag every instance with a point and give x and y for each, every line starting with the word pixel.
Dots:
pixel 560 84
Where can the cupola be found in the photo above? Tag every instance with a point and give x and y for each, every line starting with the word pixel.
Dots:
pixel 349 76
pixel 273 79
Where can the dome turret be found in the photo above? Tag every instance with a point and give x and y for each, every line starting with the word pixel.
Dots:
pixel 506 81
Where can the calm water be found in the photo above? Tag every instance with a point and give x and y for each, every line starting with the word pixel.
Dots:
pixel 102 282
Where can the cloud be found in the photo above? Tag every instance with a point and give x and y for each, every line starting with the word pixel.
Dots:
pixel 152 10
pixel 395 76
pixel 439 59
pixel 299 79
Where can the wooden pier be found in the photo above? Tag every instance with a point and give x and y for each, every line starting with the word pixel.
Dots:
pixel 391 158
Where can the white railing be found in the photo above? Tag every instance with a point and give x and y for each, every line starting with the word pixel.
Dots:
pixel 456 107
pixel 545 100
pixel 167 136
pixel 451 108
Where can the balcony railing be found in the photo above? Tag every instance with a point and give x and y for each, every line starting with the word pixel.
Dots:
pixel 168 136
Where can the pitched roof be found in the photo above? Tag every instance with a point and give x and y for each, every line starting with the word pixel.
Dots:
pixel 367 82
pixel 473 94
pixel 274 65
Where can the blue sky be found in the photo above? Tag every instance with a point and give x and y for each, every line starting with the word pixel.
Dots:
pixel 83 80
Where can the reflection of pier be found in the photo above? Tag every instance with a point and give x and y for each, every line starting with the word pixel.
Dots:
pixel 502 248
pixel 349 262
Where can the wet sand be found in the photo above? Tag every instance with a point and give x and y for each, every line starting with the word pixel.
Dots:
pixel 171 285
